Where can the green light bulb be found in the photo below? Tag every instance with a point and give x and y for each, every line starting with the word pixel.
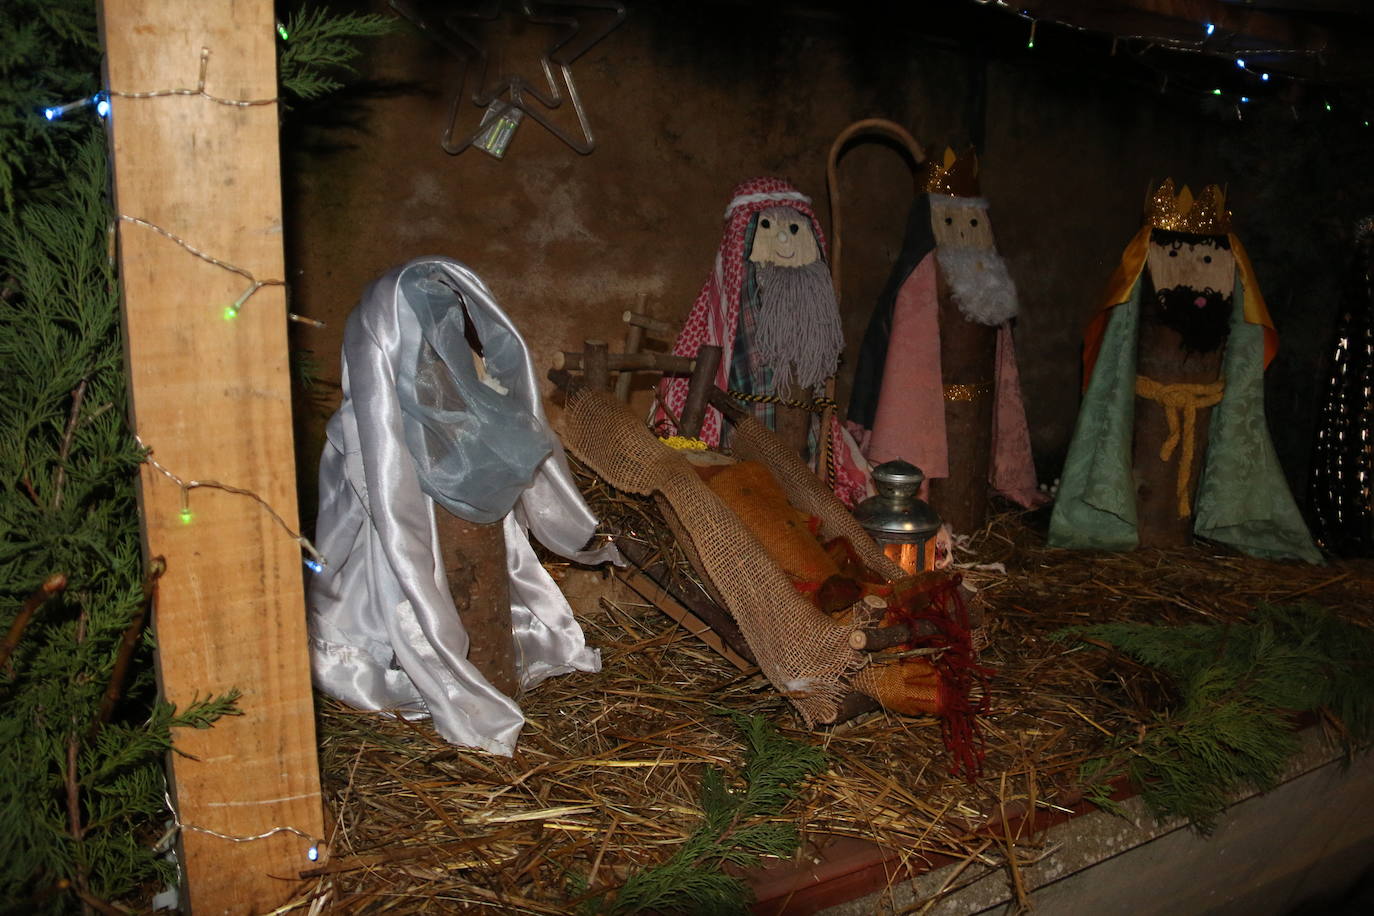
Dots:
pixel 231 312
pixel 186 516
pixel 281 31
pixel 1216 92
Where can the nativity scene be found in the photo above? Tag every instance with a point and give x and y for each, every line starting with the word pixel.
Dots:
pixel 599 457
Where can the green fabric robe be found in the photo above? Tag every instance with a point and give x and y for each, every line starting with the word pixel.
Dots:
pixel 1242 500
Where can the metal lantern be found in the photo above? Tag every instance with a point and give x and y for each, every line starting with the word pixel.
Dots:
pixel 900 521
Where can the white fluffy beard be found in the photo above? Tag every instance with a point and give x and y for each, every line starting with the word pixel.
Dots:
pixel 978 283
pixel 799 328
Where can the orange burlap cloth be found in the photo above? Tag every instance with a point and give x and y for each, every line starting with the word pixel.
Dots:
pixel 910 685
pixel 787 536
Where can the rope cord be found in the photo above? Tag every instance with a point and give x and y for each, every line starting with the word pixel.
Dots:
pixel 815 405
pixel 1181 402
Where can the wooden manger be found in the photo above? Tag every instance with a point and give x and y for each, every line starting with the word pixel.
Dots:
pixel 696 596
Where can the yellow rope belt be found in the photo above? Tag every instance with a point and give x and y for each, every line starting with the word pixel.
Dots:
pixel 1181 402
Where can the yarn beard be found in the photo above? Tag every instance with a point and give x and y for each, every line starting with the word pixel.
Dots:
pixel 979 283
pixel 1201 318
pixel 799 330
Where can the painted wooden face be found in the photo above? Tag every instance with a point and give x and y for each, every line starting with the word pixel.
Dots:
pixel 960 221
pixel 1200 264
pixel 783 238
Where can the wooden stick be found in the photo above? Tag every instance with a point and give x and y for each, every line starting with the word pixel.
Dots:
pixel 596 365
pixel 655 569
pixel 726 405
pixel 692 621
pixel 78 397
pixel 51 586
pixel 127 644
pixel 699 389
pixel 634 339
pixel 853 704
pixel 652 325
pixel 644 359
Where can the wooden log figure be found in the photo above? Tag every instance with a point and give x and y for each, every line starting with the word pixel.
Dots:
pixel 440 467
pixel 936 383
pixel 1171 440
pixel 770 306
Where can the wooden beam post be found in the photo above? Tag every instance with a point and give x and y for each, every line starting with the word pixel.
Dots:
pixel 211 398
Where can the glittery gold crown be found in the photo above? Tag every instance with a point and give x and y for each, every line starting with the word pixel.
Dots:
pixel 956 175
pixel 1205 215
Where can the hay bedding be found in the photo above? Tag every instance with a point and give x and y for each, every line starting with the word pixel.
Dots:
pixel 607 773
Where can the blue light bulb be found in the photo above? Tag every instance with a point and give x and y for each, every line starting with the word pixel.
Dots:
pixel 1211 28
pixel 1240 62
pixel 102 105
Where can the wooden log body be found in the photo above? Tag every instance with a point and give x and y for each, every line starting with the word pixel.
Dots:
pixel 793 424
pixel 474 559
pixel 1160 356
pixel 968 354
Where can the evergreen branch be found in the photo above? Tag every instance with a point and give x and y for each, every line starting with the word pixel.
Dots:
pixel 78 397
pixel 736 829
pixel 1240 686
pixel 51 586
pixel 319 44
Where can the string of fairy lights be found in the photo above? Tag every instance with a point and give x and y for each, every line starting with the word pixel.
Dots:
pixel 316 849
pixel 100 103
pixel 314 561
pixel 1208 44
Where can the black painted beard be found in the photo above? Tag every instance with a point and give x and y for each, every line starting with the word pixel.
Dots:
pixel 1201 319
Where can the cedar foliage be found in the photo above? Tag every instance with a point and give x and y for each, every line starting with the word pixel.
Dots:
pixel 81 785
pixel 738 826
pixel 1240 689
